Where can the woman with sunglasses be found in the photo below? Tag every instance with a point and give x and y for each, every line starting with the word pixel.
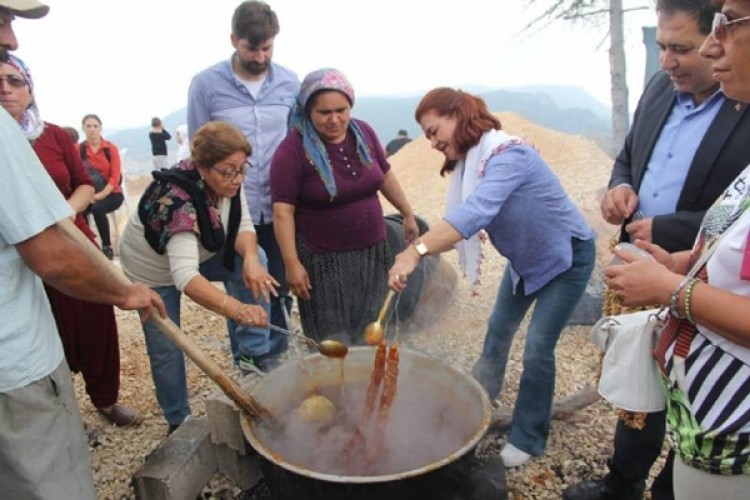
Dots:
pixel 88 330
pixel 193 227
pixel 704 350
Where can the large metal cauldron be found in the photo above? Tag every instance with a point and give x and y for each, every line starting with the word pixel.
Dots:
pixel 440 479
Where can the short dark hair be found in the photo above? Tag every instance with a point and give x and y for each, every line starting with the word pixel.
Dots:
pixel 155 121
pixel 255 22
pixel 474 119
pixel 701 10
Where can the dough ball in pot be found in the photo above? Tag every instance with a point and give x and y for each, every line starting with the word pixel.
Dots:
pixel 316 410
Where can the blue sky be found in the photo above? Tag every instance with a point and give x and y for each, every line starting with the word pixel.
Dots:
pixel 130 60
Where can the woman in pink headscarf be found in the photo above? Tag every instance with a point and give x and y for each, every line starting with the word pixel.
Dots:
pixel 325 179
pixel 88 330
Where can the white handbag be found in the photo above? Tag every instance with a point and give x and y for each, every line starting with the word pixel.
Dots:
pixel 630 377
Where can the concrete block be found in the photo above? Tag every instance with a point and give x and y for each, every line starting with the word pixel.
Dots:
pixel 224 417
pixel 180 466
pixel 244 470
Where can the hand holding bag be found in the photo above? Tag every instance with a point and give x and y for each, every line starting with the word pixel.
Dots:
pixel 630 378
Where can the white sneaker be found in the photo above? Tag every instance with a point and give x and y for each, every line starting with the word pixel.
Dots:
pixel 513 457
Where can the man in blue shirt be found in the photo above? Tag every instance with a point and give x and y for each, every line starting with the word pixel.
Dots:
pixel 258 96
pixel 687 143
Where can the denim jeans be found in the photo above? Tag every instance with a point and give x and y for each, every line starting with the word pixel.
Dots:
pixel 553 305
pixel 168 362
pixel 267 240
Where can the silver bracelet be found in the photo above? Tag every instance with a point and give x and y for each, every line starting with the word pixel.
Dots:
pixel 675 296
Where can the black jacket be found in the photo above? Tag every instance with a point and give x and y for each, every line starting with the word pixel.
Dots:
pixel 722 154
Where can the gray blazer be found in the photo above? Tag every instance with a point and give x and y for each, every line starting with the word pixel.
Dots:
pixel 722 154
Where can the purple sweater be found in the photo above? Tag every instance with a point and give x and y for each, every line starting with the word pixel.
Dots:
pixel 354 218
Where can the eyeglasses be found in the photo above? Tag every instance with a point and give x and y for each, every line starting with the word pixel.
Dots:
pixel 230 175
pixel 14 81
pixel 721 25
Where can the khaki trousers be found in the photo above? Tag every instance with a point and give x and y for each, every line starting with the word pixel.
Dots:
pixel 43 450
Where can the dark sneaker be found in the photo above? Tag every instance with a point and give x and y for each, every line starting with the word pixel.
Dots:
pixel 259 365
pixel 267 362
pixel 247 366
pixel 174 427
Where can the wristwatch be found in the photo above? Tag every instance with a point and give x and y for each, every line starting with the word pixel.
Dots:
pixel 421 248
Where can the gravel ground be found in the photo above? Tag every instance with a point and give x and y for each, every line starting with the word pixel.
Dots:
pixel 577 448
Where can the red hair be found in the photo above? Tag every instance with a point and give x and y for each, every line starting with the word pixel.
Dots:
pixel 473 118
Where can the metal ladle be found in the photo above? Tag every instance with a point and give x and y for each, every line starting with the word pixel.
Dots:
pixel 375 331
pixel 328 348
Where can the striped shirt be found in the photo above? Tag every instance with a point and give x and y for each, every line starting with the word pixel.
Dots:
pixel 709 414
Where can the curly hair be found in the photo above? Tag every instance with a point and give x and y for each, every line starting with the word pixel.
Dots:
pixel 473 118
pixel 216 140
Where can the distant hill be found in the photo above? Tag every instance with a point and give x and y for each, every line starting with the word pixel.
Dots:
pixel 567 109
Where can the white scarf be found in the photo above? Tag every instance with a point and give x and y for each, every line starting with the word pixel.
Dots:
pixel 466 177
pixel 31 123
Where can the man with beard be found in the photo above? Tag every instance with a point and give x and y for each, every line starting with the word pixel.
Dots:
pixel 43 450
pixel 687 143
pixel 256 95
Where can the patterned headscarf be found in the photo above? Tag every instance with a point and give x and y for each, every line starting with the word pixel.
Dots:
pixel 30 121
pixel 315 150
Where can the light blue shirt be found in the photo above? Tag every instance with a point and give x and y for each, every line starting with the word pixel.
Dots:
pixel 527 215
pixel 30 346
pixel 218 94
pixel 673 153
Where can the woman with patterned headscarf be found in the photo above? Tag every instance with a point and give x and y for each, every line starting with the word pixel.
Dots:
pixel 325 180
pixel 88 331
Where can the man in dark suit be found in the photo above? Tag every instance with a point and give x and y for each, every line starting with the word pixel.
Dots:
pixel 687 143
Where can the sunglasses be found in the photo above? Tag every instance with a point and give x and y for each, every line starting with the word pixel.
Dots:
pixel 14 81
pixel 230 175
pixel 721 25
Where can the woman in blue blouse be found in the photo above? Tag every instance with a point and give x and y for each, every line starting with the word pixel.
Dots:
pixel 500 185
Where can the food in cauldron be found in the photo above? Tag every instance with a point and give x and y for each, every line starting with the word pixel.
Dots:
pixel 434 424
pixel 316 409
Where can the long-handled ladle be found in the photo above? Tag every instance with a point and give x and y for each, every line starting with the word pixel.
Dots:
pixel 375 331
pixel 245 401
pixel 328 348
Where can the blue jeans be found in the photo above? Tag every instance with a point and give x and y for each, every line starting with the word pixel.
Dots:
pixel 168 362
pixel 267 240
pixel 553 305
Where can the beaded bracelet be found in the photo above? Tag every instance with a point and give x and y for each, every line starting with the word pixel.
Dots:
pixel 675 297
pixel 686 300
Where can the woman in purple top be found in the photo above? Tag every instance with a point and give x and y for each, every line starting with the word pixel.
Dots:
pixel 325 180
pixel 502 186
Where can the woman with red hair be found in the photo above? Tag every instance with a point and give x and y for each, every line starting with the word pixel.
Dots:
pixel 500 185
